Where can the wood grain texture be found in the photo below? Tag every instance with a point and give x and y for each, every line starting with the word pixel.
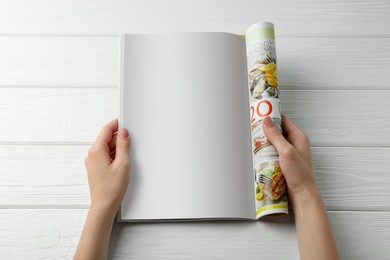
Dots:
pixel 340 118
pixel 47 176
pixel 333 63
pixel 353 178
pixel 59 61
pixel 362 235
pixel 359 235
pixel 330 118
pixel 58 115
pixel 53 234
pixel 43 176
pixel 40 234
pixel 292 18
pixel 324 63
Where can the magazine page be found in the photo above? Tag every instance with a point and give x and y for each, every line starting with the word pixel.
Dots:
pixel 185 103
pixel 270 187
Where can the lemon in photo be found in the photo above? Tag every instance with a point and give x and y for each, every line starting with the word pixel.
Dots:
pixel 269 66
pixel 269 73
pixel 259 196
pixel 272 81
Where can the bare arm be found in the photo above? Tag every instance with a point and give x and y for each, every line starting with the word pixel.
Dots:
pixel 108 167
pixel 314 233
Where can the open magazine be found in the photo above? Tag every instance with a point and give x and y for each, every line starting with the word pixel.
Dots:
pixel 193 104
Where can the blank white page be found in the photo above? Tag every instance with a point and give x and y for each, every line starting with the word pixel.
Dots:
pixel 185 103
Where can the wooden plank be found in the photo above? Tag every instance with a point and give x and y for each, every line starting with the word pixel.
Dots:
pixel 362 235
pixel 43 176
pixel 43 115
pixel 59 61
pixel 43 233
pixel 333 64
pixel 330 118
pixel 353 178
pixel 341 118
pixel 40 234
pixel 325 63
pixel 292 18
pixel 55 176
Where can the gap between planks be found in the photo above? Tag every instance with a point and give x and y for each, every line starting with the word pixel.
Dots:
pixel 83 207
pixel 285 36
pixel 90 143
pixel 294 88
pixel 57 87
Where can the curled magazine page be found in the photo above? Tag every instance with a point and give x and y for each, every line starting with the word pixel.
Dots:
pixel 185 103
pixel 269 185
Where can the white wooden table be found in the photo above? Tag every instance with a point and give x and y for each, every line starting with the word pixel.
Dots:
pixel 59 85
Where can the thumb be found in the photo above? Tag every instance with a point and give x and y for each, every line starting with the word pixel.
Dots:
pixel 274 136
pixel 122 145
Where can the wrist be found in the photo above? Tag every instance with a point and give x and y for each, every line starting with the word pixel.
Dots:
pixel 105 211
pixel 306 198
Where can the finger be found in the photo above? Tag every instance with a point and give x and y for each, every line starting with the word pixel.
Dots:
pixel 295 136
pixel 99 152
pixel 291 130
pixel 122 146
pixel 274 136
pixel 112 155
pixel 105 135
pixel 112 143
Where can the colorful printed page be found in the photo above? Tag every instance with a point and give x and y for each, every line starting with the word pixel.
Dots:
pixel 270 185
pixel 184 99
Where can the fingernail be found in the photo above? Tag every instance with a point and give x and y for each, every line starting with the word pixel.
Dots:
pixel 123 133
pixel 268 121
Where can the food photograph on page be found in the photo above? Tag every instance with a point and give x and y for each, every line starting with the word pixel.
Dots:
pixel 270 185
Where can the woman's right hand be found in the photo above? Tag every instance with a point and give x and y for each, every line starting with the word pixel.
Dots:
pixel 294 158
pixel 314 232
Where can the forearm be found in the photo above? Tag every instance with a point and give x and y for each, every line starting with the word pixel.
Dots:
pixel 315 238
pixel 95 238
